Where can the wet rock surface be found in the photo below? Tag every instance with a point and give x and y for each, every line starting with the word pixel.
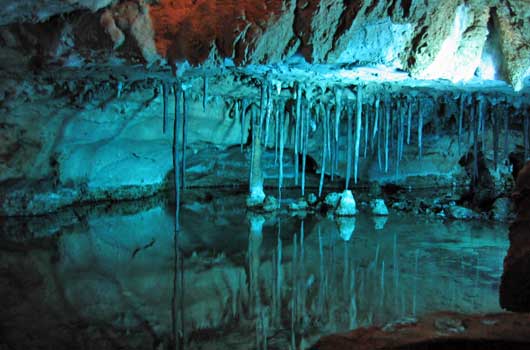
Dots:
pixel 439 331
pixel 515 285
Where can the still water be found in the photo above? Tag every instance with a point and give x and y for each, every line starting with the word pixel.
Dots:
pixel 116 276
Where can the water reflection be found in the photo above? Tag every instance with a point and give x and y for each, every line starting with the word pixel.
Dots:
pixel 232 280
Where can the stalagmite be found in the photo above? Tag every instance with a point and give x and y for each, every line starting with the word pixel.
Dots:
pixel 409 120
pixel 165 89
pixel 204 92
pixel 387 131
pixel 420 130
pixel 349 144
pixel 460 118
pixel 297 130
pixel 358 128
pixel 184 138
pixel 176 160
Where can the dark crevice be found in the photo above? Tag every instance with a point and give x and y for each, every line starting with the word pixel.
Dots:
pixel 391 8
pixel 347 17
pixel 371 7
pixel 405 6
pixel 415 42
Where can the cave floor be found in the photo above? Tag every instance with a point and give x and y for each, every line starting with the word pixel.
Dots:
pixel 116 276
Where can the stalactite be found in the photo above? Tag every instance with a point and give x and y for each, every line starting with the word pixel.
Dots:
pixel 378 135
pixel 325 136
pixel 480 131
pixel 506 119
pixel 329 132
pixel 262 106
pixel 297 130
pixel 282 143
pixel 176 160
pixel 476 122
pixel 269 112
pixel 276 134
pixel 204 92
pixel 358 128
pixel 305 134
pixel 420 130
pixel 165 107
pixel 376 121
pixel 495 134
pixel 387 131
pixel 349 146
pixel 399 135
pixel 409 119
pixel 267 127
pixel 460 118
pixel 338 111
pixel 366 131
pixel 525 135
pixel 244 129
pixel 119 89
pixel 184 137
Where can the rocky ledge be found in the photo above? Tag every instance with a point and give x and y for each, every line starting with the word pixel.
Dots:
pixel 438 331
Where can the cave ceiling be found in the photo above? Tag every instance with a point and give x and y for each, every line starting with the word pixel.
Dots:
pixel 472 44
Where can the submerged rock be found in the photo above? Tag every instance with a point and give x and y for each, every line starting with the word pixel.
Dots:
pixel 379 207
pixel 347 206
pixel 255 199
pixel 299 205
pixel 311 199
pixel 270 203
pixel 461 213
pixel 501 209
pixel 332 199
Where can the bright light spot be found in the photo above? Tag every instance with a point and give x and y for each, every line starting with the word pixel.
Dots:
pixel 379 73
pixel 487 67
pixel 446 64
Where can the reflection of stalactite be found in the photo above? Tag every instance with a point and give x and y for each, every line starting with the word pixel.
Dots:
pixel 177 297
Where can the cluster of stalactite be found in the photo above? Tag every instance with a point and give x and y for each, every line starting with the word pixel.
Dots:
pixel 379 126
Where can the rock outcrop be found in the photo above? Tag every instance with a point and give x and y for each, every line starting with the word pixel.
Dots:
pixel 515 284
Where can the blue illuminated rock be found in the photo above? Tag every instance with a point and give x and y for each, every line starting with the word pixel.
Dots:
pixel 347 206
